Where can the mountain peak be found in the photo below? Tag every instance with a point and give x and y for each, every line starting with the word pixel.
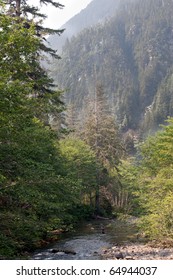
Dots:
pixel 95 12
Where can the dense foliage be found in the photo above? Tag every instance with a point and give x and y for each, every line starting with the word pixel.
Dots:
pixel 156 184
pixel 38 192
pixel 102 134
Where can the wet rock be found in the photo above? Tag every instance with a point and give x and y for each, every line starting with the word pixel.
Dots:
pixel 64 251
pixel 54 251
pixel 119 256
pixel 71 252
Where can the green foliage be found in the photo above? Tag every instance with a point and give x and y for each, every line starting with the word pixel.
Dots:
pixel 101 133
pixel 79 163
pixel 127 174
pixel 36 194
pixel 156 183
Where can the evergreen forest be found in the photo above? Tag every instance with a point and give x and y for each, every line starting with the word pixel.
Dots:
pixel 131 55
pixel 93 138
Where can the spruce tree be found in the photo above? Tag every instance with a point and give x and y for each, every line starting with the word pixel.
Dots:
pixel 29 14
pixel 25 16
pixel 101 133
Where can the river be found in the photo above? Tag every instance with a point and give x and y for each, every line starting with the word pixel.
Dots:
pixel 88 241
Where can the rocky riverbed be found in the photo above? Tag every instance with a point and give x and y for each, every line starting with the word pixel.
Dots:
pixel 119 240
pixel 137 251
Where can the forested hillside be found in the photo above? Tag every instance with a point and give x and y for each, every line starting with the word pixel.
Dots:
pixel 96 11
pixel 132 56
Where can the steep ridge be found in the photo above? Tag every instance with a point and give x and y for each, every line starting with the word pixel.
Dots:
pixel 96 11
pixel 132 56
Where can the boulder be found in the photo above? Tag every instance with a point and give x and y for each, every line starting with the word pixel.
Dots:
pixel 119 256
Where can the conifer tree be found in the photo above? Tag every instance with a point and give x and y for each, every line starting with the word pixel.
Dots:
pixel 30 164
pixel 25 16
pixel 29 14
pixel 101 131
pixel 102 134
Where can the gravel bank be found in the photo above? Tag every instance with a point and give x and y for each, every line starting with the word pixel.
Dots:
pixel 137 251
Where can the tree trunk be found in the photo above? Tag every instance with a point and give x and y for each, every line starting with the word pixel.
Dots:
pixel 97 201
pixel 18 4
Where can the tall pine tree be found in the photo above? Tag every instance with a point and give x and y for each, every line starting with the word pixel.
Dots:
pixel 25 16
pixel 102 134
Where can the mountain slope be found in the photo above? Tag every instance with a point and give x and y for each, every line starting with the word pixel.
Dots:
pixel 96 11
pixel 132 56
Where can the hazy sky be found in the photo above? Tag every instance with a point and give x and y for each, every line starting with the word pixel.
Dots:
pixel 57 17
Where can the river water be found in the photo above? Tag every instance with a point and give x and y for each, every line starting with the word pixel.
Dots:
pixel 88 241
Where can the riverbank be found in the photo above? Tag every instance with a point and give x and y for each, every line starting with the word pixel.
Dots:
pixel 120 240
pixel 137 251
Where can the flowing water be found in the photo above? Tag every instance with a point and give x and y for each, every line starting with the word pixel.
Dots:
pixel 88 241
